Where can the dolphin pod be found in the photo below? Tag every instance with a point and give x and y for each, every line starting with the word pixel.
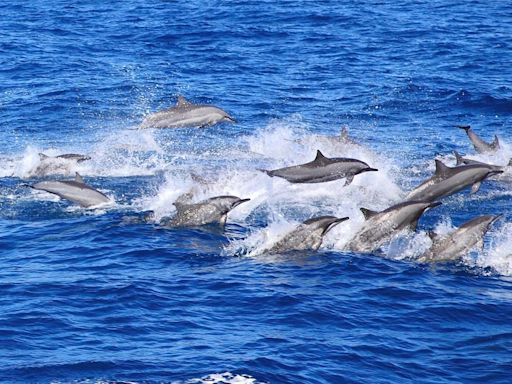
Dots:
pixel 186 114
pixel 480 145
pixel 322 169
pixel 459 242
pixel 307 236
pixel 378 228
pixel 75 191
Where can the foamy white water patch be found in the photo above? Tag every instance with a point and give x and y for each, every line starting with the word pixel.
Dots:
pixel 499 255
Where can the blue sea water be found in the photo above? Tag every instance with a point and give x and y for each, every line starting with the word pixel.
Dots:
pixel 93 296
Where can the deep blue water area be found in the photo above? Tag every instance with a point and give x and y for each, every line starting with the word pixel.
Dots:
pixel 103 295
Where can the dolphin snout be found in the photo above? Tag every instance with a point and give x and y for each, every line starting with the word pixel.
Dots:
pixel 495 172
pixel 229 118
pixel 240 202
pixel 371 170
pixel 434 204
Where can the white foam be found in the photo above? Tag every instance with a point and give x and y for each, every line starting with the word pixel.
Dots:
pixel 499 254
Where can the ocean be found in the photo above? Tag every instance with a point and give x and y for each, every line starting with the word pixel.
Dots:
pixel 101 296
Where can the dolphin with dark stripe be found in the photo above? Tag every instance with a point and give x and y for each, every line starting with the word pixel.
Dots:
pixel 460 242
pixel 480 145
pixel 380 227
pixel 322 169
pixel 447 181
pixel 211 211
pixel 307 236
pixel 186 114
pixel 73 190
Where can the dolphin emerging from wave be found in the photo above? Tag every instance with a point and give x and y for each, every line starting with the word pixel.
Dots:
pixel 186 114
pixel 307 236
pixel 380 227
pixel 211 211
pixel 322 169
pixel 459 242
pixel 480 145
pixel 447 181
pixel 73 190
pixel 61 164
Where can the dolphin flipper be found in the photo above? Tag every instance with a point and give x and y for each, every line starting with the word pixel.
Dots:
pixel 475 187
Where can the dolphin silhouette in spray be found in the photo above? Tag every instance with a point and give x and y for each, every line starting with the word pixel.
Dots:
pixel 307 236
pixel 459 242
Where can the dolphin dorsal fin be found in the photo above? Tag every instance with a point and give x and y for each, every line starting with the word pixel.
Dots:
pixel 368 213
pixel 320 158
pixel 42 156
pixel 496 142
pixel 182 102
pixel 509 163
pixel 442 169
pixel 458 158
pixel 79 178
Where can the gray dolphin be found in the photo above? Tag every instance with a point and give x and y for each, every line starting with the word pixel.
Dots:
pixel 480 145
pixel 210 211
pixel 74 190
pixel 380 227
pixel 465 161
pixel 61 164
pixel 186 114
pixel 459 242
pixel 447 181
pixel 307 236
pixel 322 169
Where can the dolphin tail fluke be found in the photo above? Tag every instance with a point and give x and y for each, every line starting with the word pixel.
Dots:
pixel 464 127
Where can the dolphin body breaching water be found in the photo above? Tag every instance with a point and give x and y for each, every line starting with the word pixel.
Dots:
pixel 307 236
pixel 211 211
pixel 480 145
pixel 459 242
pixel 380 227
pixel 465 161
pixel 447 181
pixel 73 190
pixel 186 114
pixel 322 169
pixel 61 164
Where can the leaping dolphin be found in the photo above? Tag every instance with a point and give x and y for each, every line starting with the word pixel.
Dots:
pixel 322 169
pixel 459 242
pixel 186 114
pixel 73 190
pixel 447 181
pixel 480 145
pixel 307 236
pixel 380 227
pixel 66 156
pixel 465 161
pixel 210 211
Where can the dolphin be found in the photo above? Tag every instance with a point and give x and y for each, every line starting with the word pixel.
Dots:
pixel 66 156
pixel 480 145
pixel 61 164
pixel 322 169
pixel 459 242
pixel 307 236
pixel 186 114
pixel 74 190
pixel 447 181
pixel 210 211
pixel 379 227
pixel 465 161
